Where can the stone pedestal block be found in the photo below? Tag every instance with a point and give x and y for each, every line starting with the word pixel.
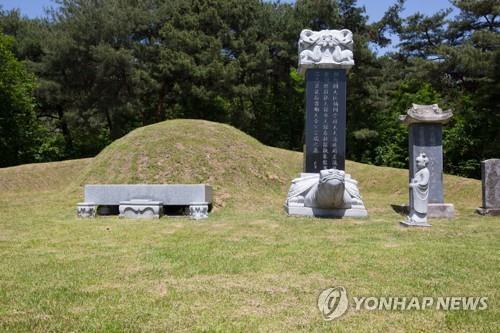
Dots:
pixel 434 211
pixel 141 209
pixel 198 210
pixel 440 211
pixel 86 209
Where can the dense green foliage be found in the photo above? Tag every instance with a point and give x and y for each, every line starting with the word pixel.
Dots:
pixel 106 67
pixel 18 122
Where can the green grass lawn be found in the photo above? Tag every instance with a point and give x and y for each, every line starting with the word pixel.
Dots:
pixel 240 270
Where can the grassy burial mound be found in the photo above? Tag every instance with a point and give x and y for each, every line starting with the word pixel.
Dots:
pixel 241 170
pixel 41 177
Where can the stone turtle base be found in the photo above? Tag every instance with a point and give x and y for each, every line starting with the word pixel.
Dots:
pixel 354 212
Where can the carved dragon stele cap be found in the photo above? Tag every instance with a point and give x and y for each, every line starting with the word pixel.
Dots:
pixel 325 49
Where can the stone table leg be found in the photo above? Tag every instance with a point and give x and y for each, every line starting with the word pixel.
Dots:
pixel 198 211
pixel 86 209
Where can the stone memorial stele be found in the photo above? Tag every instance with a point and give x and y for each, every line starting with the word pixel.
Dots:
pixel 324 189
pixel 425 123
pixel 419 194
pixel 490 176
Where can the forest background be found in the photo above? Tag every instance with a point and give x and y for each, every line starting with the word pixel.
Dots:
pixel 90 71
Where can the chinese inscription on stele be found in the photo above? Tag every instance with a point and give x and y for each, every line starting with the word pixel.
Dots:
pixel 325 119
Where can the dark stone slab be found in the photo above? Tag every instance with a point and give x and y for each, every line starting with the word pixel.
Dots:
pixel 490 170
pixel 428 138
pixel 325 131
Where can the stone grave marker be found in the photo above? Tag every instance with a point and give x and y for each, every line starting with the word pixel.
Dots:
pixel 490 181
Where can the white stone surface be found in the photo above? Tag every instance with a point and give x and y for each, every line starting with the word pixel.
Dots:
pixel 325 49
pixel 141 209
pixel 169 194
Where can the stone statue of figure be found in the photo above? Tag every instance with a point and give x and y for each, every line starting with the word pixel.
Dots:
pixel 419 193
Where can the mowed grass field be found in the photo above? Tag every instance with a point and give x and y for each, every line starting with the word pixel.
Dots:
pixel 248 267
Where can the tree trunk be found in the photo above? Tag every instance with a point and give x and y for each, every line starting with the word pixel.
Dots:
pixel 110 124
pixel 160 109
pixel 68 140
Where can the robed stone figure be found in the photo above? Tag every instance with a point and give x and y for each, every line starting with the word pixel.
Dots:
pixel 419 194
